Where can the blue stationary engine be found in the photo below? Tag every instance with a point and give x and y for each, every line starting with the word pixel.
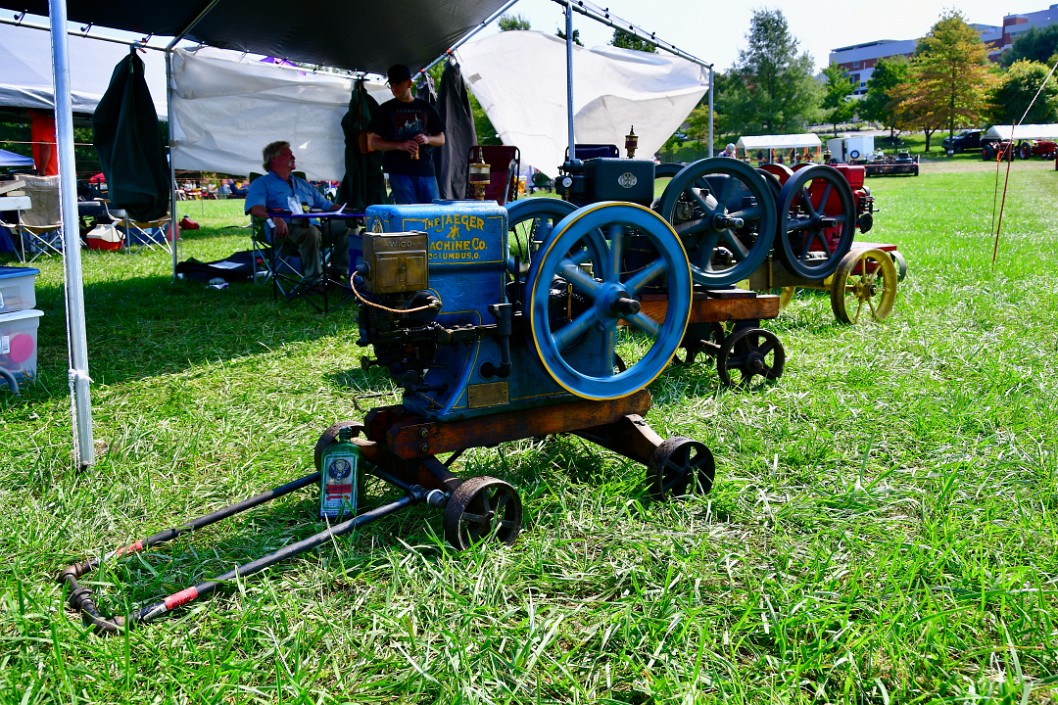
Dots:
pixel 448 313
pixel 442 316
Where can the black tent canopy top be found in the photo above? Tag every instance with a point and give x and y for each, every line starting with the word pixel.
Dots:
pixel 350 34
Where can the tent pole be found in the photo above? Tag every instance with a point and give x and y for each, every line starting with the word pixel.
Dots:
pixel 174 227
pixel 603 15
pixel 80 392
pixel 712 75
pixel 466 37
pixel 569 79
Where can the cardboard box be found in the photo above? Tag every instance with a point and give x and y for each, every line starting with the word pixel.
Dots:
pixel 17 290
pixel 18 342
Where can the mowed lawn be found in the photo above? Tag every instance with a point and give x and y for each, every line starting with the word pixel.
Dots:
pixel 882 527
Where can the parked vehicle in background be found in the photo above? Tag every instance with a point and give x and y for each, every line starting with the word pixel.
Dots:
pixel 1024 149
pixel 962 141
pixel 901 163
pixel 851 150
pixel 1044 149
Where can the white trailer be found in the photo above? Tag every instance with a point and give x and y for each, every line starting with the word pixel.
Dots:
pixel 851 150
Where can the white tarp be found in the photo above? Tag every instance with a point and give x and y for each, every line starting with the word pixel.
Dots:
pixel 755 142
pixel 225 111
pixel 26 74
pixel 1022 132
pixel 519 77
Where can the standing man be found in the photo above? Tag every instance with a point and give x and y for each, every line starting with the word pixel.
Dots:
pixel 279 190
pixel 407 130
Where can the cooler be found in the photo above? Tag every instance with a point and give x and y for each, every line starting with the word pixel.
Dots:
pixel 18 342
pixel 17 288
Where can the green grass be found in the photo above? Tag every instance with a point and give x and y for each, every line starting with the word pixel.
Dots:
pixel 881 530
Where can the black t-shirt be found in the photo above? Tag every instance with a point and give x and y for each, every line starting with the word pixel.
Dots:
pixel 396 121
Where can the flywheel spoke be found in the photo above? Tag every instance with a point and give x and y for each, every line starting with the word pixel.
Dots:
pixel 568 334
pixel 640 279
pixel 645 323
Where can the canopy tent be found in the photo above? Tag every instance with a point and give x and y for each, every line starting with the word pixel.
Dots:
pixel 755 142
pixel 10 160
pixel 357 36
pixel 340 34
pixel 777 146
pixel 26 80
pixel 614 91
pixel 354 36
pixel 1022 132
pixel 225 111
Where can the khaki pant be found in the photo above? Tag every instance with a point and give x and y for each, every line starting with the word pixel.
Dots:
pixel 308 239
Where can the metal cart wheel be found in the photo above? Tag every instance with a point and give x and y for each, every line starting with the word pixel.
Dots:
pixel 330 437
pixel 482 508
pixel 606 296
pixel 724 213
pixel 864 286
pixel 901 265
pixel 680 466
pixel 817 221
pixel 749 354
pixel 700 339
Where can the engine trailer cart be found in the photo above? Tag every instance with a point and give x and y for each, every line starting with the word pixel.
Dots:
pixel 486 356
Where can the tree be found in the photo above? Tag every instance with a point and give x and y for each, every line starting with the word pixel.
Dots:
pixel 1037 44
pixel 512 22
pixel 880 103
pixel 771 87
pixel 627 40
pixel 837 100
pixel 1015 91
pixel 950 78
pixel 561 34
pixel 697 123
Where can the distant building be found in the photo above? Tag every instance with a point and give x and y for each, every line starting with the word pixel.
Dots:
pixel 1014 25
pixel 859 60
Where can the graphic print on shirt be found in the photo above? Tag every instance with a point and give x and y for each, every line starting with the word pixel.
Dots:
pixel 408 123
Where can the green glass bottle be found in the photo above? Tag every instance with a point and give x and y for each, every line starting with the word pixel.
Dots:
pixel 340 477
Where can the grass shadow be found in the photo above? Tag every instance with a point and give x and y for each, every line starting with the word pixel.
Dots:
pixel 145 326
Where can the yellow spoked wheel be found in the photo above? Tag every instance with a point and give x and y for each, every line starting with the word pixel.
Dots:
pixel 864 286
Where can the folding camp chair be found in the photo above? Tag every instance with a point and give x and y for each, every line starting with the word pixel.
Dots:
pixel 504 163
pixel 40 227
pixel 147 234
pixel 275 262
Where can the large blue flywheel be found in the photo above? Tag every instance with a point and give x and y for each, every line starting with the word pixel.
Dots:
pixel 587 319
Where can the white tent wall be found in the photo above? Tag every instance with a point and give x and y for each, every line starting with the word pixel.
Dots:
pixel 1044 131
pixel 26 73
pixel 754 142
pixel 519 77
pixel 225 111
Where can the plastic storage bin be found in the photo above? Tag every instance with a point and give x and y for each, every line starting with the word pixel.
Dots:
pixel 17 288
pixel 18 342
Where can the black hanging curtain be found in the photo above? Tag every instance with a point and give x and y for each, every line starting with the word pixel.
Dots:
pixel 460 135
pixel 364 184
pixel 129 142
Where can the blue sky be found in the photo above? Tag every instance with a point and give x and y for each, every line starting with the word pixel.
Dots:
pixel 714 31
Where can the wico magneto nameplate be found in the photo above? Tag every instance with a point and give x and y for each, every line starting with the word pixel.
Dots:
pixel 396 262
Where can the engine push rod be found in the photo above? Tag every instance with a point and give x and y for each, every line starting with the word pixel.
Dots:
pixel 82 600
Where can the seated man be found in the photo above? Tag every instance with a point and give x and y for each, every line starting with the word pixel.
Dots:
pixel 280 190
